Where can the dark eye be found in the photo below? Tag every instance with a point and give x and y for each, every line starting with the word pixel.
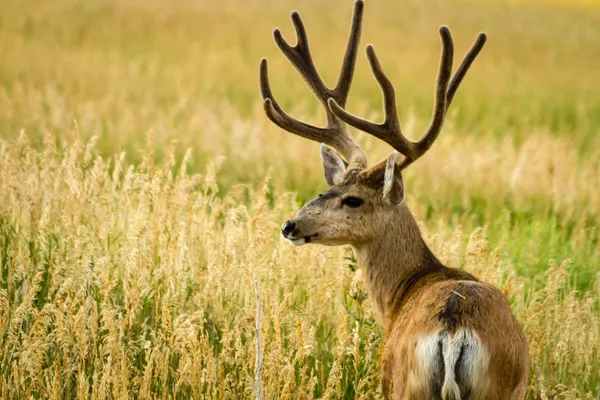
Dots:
pixel 352 202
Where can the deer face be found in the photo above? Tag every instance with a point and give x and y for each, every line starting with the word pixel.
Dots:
pixel 355 210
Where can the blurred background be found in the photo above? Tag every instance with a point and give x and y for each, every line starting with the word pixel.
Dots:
pixel 520 144
pixel 142 189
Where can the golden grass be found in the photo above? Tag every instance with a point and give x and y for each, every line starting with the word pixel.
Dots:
pixel 124 273
pixel 120 281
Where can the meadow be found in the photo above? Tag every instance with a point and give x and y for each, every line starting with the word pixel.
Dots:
pixel 142 190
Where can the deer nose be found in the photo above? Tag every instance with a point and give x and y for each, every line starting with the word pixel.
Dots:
pixel 288 228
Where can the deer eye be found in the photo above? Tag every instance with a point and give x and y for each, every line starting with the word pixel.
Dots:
pixel 352 202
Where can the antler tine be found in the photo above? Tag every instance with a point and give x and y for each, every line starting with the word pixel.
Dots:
pixel 440 107
pixel 464 66
pixel 335 133
pixel 342 88
pixel 300 56
pixel 343 143
pixel 390 131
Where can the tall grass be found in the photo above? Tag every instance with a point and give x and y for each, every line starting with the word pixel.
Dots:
pixel 123 281
pixel 127 265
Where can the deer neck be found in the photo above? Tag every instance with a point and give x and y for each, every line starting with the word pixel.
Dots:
pixel 395 260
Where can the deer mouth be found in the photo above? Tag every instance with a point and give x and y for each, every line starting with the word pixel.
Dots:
pixel 299 241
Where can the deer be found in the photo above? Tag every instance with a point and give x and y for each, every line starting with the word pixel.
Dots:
pixel 446 335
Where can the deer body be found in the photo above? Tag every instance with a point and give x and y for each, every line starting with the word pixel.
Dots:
pixel 446 335
pixel 441 326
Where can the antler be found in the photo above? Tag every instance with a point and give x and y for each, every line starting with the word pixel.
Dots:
pixel 389 131
pixel 335 134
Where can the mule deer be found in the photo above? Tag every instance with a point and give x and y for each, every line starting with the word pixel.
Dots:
pixel 446 335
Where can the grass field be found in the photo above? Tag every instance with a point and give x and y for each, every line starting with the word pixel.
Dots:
pixel 142 189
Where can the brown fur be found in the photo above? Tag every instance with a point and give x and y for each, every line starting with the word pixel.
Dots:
pixel 416 294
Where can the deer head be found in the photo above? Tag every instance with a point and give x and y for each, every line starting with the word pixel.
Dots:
pixel 363 203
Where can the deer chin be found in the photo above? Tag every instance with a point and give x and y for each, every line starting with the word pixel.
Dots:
pixel 301 241
pixel 298 242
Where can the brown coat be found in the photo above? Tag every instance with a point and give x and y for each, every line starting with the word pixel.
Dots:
pixel 427 308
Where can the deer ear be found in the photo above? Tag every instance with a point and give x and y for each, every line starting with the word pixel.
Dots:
pixel 333 165
pixel 393 185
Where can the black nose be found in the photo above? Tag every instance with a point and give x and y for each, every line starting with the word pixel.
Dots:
pixel 288 228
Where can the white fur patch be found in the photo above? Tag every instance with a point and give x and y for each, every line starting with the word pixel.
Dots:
pixel 388 180
pixel 451 348
pixel 464 344
pixel 474 362
pixel 426 352
pixel 298 242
